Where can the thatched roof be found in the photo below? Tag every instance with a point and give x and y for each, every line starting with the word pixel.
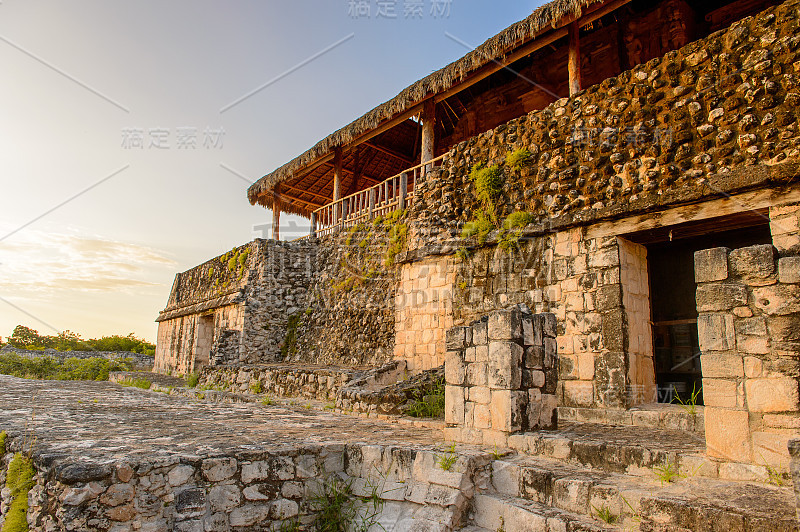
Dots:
pixel 543 19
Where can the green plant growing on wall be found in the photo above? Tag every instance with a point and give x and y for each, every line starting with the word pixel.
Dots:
pixel 689 404
pixel 19 481
pixel 3 437
pixel 512 229
pixel 447 460
pixel 144 384
pixel 256 387
pixel 488 186
pixel 398 236
pixel 192 380
pixel 243 257
pixel 479 227
pixel 518 158
pixel 289 346
pixel 210 272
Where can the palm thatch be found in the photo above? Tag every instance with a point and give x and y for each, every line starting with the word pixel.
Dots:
pixel 543 18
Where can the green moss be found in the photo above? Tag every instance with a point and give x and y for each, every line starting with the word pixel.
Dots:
pixel 512 228
pixel 3 436
pixel 192 380
pixel 232 263
pixel 480 227
pixel 20 481
pixel 243 257
pixel 398 236
pixel 518 158
pixel 210 272
pixel 364 243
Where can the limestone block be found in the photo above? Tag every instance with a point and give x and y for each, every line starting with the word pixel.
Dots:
pixel 720 296
pixel 454 367
pixel 249 515
pixel 477 374
pixel 117 494
pixel 779 299
pixel 789 270
pixel 794 452
pixel 454 404
pixel 480 333
pixel 180 475
pixel 456 338
pixel 784 328
pixel 755 265
pixel 771 448
pixel 772 395
pixel 505 365
pixel 482 416
pixel 506 410
pixel 578 393
pixel 608 297
pixel 604 258
pixel 505 478
pixel 716 332
pixel 724 365
pixel 224 498
pixel 505 325
pixel 534 357
pixel 723 393
pixel 219 469
pixel 727 434
pixel 480 394
pixel 711 265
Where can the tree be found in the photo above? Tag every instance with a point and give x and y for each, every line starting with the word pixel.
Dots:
pixel 25 338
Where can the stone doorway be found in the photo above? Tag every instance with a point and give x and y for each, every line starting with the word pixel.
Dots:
pixel 205 337
pixel 669 267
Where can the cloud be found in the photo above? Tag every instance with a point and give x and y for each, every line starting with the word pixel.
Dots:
pixel 36 261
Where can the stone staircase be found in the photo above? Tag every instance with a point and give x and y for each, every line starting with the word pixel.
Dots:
pixel 568 480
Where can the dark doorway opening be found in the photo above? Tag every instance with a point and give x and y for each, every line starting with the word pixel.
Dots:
pixel 670 264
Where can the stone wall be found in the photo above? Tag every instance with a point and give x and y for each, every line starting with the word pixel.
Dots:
pixel 718 115
pixel 748 302
pixel 251 490
pixel 139 360
pixel 501 374
pixel 350 317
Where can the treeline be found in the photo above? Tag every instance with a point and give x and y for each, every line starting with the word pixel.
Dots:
pixel 27 338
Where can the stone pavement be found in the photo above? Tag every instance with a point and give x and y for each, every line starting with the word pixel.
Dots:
pixel 103 420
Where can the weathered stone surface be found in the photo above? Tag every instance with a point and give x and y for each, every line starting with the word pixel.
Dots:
pixel 711 265
pixel 754 265
pixel 720 296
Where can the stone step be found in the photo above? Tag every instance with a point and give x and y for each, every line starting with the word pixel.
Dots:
pixel 512 514
pixel 654 415
pixel 614 448
pixel 691 503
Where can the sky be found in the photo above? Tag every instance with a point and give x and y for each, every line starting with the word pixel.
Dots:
pixel 130 131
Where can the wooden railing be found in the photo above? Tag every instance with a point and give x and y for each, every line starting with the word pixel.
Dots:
pixel 397 192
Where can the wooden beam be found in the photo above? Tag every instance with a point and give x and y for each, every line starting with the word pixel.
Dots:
pixel 389 151
pixel 337 173
pixel 373 180
pixel 428 129
pixel 284 186
pixel 276 216
pixel 574 64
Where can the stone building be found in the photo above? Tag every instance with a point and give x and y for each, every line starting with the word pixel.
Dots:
pixel 628 168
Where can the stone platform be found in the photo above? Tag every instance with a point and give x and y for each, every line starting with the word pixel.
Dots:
pixel 117 459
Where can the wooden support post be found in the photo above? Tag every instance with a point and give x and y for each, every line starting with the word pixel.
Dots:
pixel 313 224
pixel 403 190
pixel 371 203
pixel 574 65
pixel 276 217
pixel 337 180
pixel 428 128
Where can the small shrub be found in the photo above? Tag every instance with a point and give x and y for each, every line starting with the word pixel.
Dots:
pixel 144 384
pixel 210 272
pixel 267 400
pixel 689 404
pixel 518 158
pixel 333 506
pixel 605 514
pixel 428 403
pixel 512 229
pixel 256 387
pixel 192 380
pixel 667 472
pixel 480 227
pixel 488 186
pixel 447 460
